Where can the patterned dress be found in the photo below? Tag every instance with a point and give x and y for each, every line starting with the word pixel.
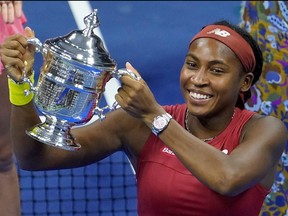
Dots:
pixel 267 22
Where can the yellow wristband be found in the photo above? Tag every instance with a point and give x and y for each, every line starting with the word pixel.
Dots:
pixel 16 91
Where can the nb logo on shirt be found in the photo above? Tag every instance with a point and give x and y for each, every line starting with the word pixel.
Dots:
pixel 219 32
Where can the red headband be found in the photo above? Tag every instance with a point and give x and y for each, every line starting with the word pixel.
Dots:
pixel 231 39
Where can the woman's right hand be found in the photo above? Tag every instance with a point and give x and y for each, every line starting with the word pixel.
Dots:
pixel 17 55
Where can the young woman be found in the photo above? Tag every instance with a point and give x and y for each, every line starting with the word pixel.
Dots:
pixel 208 156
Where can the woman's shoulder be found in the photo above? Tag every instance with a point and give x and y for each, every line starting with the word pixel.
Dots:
pixel 267 126
pixel 257 118
pixel 267 120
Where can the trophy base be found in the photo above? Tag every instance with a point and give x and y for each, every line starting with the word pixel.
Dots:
pixel 56 134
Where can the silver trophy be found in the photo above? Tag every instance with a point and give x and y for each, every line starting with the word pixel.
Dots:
pixel 75 70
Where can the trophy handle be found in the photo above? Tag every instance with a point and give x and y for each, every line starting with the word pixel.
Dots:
pixel 100 111
pixel 32 87
pixel 37 43
pixel 123 71
pixel 38 48
pixel 117 74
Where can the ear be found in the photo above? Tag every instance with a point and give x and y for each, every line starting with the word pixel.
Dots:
pixel 247 82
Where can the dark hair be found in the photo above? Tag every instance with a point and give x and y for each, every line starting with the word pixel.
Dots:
pixel 257 53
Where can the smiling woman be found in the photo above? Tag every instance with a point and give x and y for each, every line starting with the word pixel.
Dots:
pixel 174 166
pixel 251 60
pixel 177 172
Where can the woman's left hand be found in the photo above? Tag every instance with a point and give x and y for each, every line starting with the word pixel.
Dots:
pixel 136 98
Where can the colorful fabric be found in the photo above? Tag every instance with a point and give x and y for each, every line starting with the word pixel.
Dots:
pixel 267 21
pixel 166 187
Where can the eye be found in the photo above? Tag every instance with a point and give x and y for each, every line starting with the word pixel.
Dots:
pixel 191 64
pixel 217 71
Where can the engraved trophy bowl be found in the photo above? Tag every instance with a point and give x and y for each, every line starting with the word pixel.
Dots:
pixel 75 70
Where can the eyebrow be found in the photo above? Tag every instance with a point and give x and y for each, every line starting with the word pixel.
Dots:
pixel 213 62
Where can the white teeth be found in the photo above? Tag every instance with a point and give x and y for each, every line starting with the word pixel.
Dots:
pixel 198 96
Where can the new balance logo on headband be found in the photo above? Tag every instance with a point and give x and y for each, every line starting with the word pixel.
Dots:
pixel 233 40
pixel 219 32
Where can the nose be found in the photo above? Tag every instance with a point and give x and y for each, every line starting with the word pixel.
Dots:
pixel 200 77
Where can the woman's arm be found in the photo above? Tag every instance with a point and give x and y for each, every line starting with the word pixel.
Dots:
pixel 250 163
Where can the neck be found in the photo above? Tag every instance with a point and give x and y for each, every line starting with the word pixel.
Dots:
pixel 206 129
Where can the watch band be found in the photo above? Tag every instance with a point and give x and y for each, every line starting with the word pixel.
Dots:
pixel 160 123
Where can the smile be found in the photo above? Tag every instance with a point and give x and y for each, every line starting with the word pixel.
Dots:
pixel 199 96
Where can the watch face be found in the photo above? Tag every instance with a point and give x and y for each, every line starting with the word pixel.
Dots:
pixel 160 123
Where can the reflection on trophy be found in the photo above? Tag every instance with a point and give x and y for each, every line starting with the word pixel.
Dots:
pixel 75 70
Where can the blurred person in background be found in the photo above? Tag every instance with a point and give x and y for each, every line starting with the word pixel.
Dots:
pixel 11 22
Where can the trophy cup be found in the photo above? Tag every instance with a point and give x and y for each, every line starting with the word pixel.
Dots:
pixel 75 70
